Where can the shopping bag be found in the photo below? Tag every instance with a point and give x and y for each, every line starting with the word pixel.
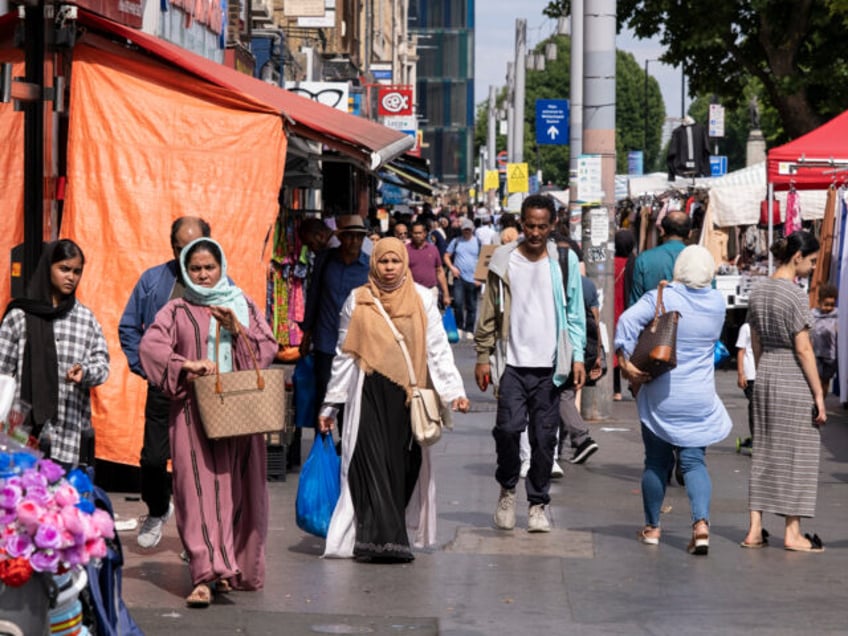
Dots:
pixel 318 488
pixel 303 379
pixel 449 322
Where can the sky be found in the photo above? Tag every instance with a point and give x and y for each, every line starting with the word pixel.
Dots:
pixel 494 38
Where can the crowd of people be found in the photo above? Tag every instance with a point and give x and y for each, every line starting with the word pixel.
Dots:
pixel 373 324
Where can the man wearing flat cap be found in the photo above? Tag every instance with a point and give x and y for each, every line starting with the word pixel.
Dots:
pixel 336 273
pixel 461 259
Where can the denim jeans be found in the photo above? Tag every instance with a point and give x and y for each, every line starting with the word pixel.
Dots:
pixel 465 304
pixel 659 460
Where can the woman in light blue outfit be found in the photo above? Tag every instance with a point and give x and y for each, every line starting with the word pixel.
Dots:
pixel 679 409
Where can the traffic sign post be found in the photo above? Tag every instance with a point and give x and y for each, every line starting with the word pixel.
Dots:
pixel 552 122
pixel 718 165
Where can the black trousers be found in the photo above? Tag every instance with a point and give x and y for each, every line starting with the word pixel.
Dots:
pixel 155 478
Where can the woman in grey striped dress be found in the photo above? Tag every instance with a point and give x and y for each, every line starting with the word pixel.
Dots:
pixel 785 463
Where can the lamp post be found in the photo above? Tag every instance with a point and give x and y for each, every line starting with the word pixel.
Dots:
pixel 645 113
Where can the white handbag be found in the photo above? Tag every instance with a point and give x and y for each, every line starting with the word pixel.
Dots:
pixel 425 406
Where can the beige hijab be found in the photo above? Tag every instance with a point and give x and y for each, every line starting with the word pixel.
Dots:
pixel 695 267
pixel 369 339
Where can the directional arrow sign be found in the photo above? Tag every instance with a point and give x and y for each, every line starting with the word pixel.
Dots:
pixel 552 122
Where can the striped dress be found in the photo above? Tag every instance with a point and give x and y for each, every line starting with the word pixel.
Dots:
pixel 785 463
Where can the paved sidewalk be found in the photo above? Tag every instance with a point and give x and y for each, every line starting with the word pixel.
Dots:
pixel 589 576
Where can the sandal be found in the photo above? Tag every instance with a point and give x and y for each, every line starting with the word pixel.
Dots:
pixel 763 542
pixel 816 545
pixel 200 596
pixel 644 538
pixel 700 542
pixel 223 586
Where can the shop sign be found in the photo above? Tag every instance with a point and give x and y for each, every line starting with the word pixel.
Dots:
pixel 304 8
pixel 332 94
pixel 394 101
pixel 126 12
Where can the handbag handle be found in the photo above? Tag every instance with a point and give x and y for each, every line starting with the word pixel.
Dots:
pixel 399 338
pixel 219 387
pixel 660 308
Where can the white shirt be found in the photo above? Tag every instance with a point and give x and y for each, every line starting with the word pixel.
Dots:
pixel 486 234
pixel 743 341
pixel 532 318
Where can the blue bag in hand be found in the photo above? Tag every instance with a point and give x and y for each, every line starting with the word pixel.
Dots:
pixel 305 405
pixel 449 322
pixel 720 353
pixel 318 488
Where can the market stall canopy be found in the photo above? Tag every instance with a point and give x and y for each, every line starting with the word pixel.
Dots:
pixel 369 143
pixel 408 172
pixel 813 161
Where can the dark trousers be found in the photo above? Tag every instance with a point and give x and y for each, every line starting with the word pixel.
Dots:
pixel 528 398
pixel 465 304
pixel 749 393
pixel 323 371
pixel 155 478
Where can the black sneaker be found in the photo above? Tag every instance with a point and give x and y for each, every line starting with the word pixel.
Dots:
pixel 584 451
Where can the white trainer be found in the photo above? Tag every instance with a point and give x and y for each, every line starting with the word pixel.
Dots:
pixel 537 519
pixel 505 512
pixel 525 468
pixel 150 532
pixel 556 471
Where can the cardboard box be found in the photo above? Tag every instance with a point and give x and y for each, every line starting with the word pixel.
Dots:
pixel 482 271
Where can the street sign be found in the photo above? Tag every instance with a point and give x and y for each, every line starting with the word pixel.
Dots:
pixel 501 160
pixel 552 122
pixel 517 177
pixel 716 127
pixel 718 165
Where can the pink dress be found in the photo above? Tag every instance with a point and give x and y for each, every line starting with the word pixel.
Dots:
pixel 220 490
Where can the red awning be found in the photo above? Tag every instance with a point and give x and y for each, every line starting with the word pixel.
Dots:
pixel 368 142
pixel 813 161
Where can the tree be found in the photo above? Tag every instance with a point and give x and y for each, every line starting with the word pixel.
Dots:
pixel 797 51
pixel 554 83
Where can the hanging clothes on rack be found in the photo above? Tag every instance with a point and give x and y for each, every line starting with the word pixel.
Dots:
pixel 793 212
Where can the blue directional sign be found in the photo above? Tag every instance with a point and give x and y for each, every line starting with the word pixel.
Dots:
pixel 718 165
pixel 552 122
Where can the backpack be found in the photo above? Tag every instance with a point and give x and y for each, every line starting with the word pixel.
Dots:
pixel 105 613
pixel 593 348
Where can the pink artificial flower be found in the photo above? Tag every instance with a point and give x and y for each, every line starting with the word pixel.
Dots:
pixel 75 555
pixel 48 536
pixel 19 545
pixel 52 471
pixel 96 548
pixel 10 495
pixel 7 516
pixel 103 523
pixel 29 512
pixel 66 495
pixel 67 539
pixel 45 560
pixel 51 517
pixel 40 495
pixel 14 480
pixel 31 478
pixel 72 520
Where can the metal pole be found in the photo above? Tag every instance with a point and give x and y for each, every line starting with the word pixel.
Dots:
pixel 491 145
pixel 34 43
pixel 682 92
pixel 645 142
pixel 510 112
pixel 519 69
pixel 575 134
pixel 599 139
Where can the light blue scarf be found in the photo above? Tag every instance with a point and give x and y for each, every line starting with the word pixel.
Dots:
pixel 562 366
pixel 223 294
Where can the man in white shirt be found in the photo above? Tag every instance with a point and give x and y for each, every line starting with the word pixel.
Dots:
pixel 486 234
pixel 527 324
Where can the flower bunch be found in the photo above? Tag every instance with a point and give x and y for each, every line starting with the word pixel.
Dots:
pixel 45 523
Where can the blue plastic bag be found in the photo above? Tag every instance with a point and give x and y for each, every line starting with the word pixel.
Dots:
pixel 303 379
pixel 720 353
pixel 449 322
pixel 318 488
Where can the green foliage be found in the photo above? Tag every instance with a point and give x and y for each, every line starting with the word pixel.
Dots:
pixel 797 51
pixel 553 83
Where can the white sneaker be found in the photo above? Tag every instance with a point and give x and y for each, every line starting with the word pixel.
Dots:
pixel 469 335
pixel 537 519
pixel 505 512
pixel 125 525
pixel 525 468
pixel 556 471
pixel 150 532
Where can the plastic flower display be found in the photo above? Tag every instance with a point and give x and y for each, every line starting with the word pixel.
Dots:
pixel 46 522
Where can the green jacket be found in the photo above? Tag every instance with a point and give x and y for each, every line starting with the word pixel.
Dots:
pixel 492 332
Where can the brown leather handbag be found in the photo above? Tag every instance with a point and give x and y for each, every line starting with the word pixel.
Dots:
pixel 656 350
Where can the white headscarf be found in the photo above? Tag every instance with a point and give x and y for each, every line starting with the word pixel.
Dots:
pixel 695 267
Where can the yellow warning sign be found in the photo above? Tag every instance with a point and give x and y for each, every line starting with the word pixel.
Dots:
pixel 517 177
pixel 491 181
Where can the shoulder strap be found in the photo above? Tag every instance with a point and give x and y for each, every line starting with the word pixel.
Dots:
pixel 398 337
pixel 563 265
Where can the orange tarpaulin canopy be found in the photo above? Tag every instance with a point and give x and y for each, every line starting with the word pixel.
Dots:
pixel 148 143
pixel 11 178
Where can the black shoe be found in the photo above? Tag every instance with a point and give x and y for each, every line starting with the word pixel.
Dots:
pixel 584 451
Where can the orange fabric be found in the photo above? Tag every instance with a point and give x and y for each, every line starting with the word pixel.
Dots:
pixel 147 144
pixel 11 177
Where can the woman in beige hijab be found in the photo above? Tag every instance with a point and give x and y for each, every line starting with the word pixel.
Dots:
pixel 387 502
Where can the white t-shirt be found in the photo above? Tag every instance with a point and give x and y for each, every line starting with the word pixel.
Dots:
pixel 743 341
pixel 532 318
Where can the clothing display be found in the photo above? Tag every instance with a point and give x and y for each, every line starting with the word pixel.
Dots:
pixel 688 151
